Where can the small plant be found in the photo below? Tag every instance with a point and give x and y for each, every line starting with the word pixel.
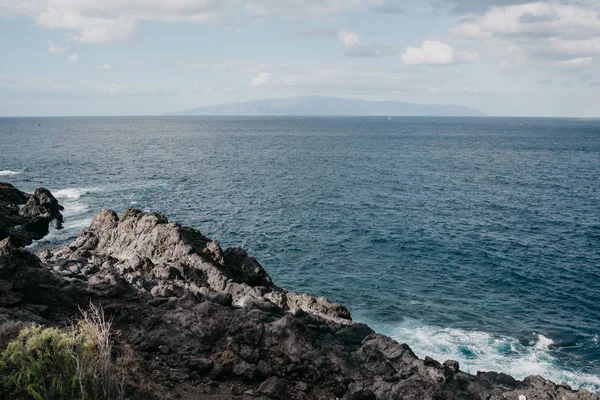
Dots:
pixel 98 374
pixel 74 363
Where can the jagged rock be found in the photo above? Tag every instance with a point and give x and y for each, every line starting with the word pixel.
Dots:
pixel 273 387
pixel 197 318
pixel 452 365
pixel 166 259
pixel 498 379
pixel 11 195
pixel 27 217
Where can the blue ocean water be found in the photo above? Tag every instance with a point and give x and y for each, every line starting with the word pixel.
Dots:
pixel 471 239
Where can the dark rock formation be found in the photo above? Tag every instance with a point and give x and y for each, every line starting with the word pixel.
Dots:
pixel 27 217
pixel 199 322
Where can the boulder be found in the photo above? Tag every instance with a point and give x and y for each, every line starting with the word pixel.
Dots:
pixel 27 217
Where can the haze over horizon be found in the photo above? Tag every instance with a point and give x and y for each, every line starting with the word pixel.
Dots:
pixel 116 57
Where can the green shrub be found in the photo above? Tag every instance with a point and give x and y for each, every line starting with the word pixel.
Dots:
pixel 52 364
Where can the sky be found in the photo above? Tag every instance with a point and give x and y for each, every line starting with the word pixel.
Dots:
pixel 149 57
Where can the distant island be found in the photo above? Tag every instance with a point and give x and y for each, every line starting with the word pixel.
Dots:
pixel 333 106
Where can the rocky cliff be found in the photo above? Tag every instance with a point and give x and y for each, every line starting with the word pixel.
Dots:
pixel 27 217
pixel 199 322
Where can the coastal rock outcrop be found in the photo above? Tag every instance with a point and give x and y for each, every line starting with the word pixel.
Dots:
pixel 196 322
pixel 27 217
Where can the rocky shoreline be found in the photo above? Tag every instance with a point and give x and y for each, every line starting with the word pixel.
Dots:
pixel 199 322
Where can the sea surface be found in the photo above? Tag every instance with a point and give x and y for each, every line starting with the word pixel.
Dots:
pixel 469 239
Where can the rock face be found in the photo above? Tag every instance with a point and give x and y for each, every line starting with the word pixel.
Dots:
pixel 201 322
pixel 27 217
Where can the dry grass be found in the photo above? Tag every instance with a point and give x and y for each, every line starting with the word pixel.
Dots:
pixel 75 363
pixel 107 377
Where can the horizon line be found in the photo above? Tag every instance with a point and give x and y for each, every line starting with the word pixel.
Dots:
pixel 294 116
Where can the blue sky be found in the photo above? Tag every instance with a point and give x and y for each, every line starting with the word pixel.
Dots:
pixel 148 57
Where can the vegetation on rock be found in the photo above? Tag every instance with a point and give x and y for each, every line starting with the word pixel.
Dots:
pixel 73 363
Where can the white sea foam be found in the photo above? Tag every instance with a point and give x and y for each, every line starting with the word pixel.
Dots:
pixel 71 193
pixel 70 199
pixel 7 172
pixel 543 343
pixel 480 351
pixel 75 213
pixel 74 208
pixel 69 231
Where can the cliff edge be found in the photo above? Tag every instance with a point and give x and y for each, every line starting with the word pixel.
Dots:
pixel 199 322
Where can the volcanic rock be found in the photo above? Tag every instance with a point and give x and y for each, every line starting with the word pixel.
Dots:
pixel 27 217
pixel 196 321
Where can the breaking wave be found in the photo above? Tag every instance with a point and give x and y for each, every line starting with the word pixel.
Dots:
pixel 480 351
pixel 7 172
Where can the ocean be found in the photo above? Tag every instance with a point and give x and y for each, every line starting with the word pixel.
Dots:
pixel 474 239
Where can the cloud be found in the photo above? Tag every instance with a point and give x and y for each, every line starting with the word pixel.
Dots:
pixel 104 67
pixel 356 48
pixel 535 19
pixel 433 52
pixel 55 49
pixel 482 6
pixel 470 90
pixel 552 32
pixel 112 20
pixel 557 46
pixel 573 64
pixel 467 58
pixel 545 81
pixel 260 79
pixel 349 39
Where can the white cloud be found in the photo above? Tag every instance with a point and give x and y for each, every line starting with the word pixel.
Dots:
pixel 545 30
pixel 574 47
pixel 466 57
pixel 430 52
pixel 349 39
pixel 110 20
pixel 469 30
pixel 104 67
pixel 433 52
pixel 356 48
pixel 535 19
pixel 573 64
pixel 260 79
pixel 55 49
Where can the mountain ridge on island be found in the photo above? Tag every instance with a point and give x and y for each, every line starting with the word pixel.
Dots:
pixel 330 106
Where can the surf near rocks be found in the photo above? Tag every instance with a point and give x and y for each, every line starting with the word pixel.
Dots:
pixel 197 321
